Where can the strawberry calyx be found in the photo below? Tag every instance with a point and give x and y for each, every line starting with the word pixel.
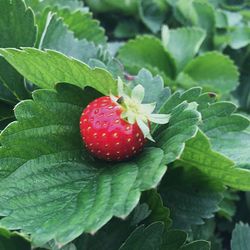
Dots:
pixel 134 111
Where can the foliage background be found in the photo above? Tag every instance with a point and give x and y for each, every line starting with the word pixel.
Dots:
pixel 190 190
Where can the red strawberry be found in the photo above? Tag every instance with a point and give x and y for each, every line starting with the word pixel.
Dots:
pixel 114 129
pixel 106 135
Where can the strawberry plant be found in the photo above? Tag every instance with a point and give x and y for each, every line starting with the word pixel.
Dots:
pixel 124 125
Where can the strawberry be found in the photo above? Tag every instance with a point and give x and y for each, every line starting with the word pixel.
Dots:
pixel 106 135
pixel 116 128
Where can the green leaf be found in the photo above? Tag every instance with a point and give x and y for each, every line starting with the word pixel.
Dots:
pixel 101 6
pixel 228 205
pixel 12 83
pixel 158 211
pixel 173 240
pixel 197 245
pixel 17 26
pixel 147 52
pixel 243 91
pixel 12 241
pixel 226 132
pixel 56 36
pixel 83 25
pixel 6 111
pixel 39 6
pixel 176 239
pixel 154 237
pixel 17 29
pixel 197 13
pixel 114 233
pixel 221 19
pixel 198 154
pixel 204 231
pixel 52 246
pixel 80 22
pixel 207 232
pixel 6 115
pixel 6 95
pixel 240 237
pixel 127 28
pixel 214 71
pixel 225 128
pixel 240 37
pixel 191 197
pixel 145 237
pixel 45 69
pixel 43 162
pixel 233 18
pixel 154 88
pixel 182 126
pixel 153 13
pixel 218 121
pixel 182 43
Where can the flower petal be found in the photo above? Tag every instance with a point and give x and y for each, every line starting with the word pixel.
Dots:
pixel 138 93
pixel 159 118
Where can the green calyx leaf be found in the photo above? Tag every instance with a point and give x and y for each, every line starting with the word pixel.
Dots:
pixel 135 111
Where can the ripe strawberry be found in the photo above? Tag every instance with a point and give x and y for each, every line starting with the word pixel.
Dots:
pixel 115 129
pixel 106 135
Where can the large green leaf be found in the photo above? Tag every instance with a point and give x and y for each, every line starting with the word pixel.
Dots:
pixel 241 237
pixel 80 22
pixel 16 24
pixel 214 71
pixel 228 204
pixel 207 231
pixel 225 128
pixel 145 237
pixel 198 153
pixel 191 196
pixel 12 241
pixel 158 212
pixel 155 237
pixel 17 29
pixel 45 172
pixel 153 13
pixel 146 52
pixel 240 37
pixel 114 233
pixel 45 69
pixel 183 43
pixel 177 240
pixel 218 122
pixel 83 25
pixel 226 132
pixel 57 37
pixel 197 13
